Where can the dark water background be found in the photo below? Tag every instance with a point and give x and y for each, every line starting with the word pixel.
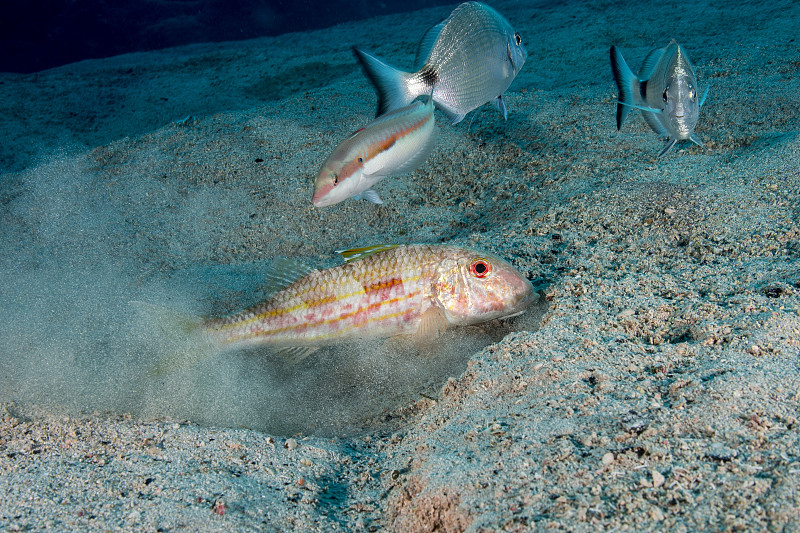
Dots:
pixel 40 34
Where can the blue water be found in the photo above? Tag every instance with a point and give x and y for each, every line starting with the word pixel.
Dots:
pixel 41 34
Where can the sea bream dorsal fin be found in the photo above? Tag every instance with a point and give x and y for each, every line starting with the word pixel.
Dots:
pixel 354 254
pixel 651 62
pixel 282 273
pixel 426 44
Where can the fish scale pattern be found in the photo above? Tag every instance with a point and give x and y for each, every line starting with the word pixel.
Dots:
pixel 381 294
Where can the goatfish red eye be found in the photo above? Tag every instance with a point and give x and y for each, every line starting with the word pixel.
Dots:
pixel 480 268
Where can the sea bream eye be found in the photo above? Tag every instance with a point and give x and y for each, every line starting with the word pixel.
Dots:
pixel 480 268
pixel 665 96
pixel 518 39
pixel 692 93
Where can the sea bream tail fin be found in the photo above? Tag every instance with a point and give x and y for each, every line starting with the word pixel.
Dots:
pixel 179 339
pixel 627 83
pixel 391 84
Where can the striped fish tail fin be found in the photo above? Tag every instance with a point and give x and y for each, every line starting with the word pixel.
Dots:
pixel 179 339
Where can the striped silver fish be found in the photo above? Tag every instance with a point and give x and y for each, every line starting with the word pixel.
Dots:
pixel 665 91
pixel 379 292
pixel 467 60
pixel 394 143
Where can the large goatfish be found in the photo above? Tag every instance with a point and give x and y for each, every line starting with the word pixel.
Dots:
pixel 394 143
pixel 468 59
pixel 665 90
pixel 380 292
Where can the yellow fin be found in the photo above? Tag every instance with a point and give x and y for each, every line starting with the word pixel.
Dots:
pixel 353 254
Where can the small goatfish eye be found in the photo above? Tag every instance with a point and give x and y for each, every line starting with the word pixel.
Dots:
pixel 335 179
pixel 518 39
pixel 665 96
pixel 480 268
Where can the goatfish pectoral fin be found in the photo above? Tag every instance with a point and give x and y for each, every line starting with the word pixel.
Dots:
pixel 432 324
pixel 180 338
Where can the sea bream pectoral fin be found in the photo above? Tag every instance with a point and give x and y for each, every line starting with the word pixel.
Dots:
pixel 500 104
pixel 668 147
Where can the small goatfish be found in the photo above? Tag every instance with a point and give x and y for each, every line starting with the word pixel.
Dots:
pixel 468 59
pixel 394 143
pixel 380 292
pixel 665 91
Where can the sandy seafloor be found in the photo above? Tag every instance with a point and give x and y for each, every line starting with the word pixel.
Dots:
pixel 655 386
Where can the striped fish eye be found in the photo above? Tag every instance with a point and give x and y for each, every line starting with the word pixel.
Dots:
pixel 480 268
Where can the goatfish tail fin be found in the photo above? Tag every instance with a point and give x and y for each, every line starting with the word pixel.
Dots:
pixel 627 83
pixel 390 83
pixel 180 338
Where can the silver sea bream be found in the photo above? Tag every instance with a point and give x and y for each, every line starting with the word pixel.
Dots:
pixel 466 60
pixel 665 91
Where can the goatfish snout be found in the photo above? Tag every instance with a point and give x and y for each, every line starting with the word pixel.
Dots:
pixel 395 143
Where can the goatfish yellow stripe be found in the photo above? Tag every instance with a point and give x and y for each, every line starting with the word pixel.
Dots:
pixel 308 306
pixel 342 318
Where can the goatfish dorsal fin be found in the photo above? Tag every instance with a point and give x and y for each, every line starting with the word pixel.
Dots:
pixel 282 273
pixel 354 254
